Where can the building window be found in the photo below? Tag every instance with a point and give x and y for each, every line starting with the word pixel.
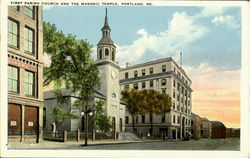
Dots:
pixel 163 118
pixel 178 107
pixel 163 68
pixel 151 70
pixel 173 118
pixel 15 7
pixel 174 83
pixel 113 55
pixel 178 86
pixel 143 118
pixel 126 119
pixel 13 79
pixel 136 86
pixel 100 54
pixel 151 84
pixel 173 105
pixel 126 87
pixel 136 73
pixel 29 83
pixel 136 119
pixel 113 95
pixel 192 123
pixel 174 70
pixel 143 72
pixel 163 91
pixel 29 40
pixel 178 98
pixel 178 119
pixel 30 11
pixel 163 82
pixel 173 94
pixel 143 85
pixel 126 75
pixel 106 52
pixel 13 33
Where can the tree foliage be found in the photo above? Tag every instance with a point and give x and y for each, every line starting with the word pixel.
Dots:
pixel 101 121
pixel 134 103
pixel 146 101
pixel 71 67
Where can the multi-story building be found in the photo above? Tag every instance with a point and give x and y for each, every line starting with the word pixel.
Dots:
pixel 166 76
pixel 200 127
pixel 25 73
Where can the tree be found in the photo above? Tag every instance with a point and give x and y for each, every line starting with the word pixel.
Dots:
pixel 100 121
pixel 61 111
pixel 155 103
pixel 71 65
pixel 134 103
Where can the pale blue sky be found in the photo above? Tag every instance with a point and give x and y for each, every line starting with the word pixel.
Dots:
pixel 204 35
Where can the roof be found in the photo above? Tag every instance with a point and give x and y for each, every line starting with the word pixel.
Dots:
pixel 217 124
pixel 167 59
pixel 195 115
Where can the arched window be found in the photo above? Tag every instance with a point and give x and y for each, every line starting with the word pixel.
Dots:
pixel 106 52
pixel 113 55
pixel 44 117
pixel 113 95
pixel 100 54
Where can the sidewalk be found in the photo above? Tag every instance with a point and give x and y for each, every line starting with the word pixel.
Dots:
pixel 70 144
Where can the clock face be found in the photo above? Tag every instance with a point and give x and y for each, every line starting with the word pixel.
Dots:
pixel 113 74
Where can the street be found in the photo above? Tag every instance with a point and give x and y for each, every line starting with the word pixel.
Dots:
pixel 205 144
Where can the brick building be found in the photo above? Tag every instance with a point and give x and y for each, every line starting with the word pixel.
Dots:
pixel 201 127
pixel 25 73
pixel 218 130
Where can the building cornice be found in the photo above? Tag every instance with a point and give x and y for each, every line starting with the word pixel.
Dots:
pixel 105 62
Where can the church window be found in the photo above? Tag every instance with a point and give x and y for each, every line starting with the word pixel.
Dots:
pixel 126 120
pixel 113 55
pixel 100 54
pixel 106 52
pixel 113 95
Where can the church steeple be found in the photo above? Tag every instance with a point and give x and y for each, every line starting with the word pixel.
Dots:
pixel 106 24
pixel 105 47
pixel 106 39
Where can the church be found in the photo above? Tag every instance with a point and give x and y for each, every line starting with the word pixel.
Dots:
pixel 163 75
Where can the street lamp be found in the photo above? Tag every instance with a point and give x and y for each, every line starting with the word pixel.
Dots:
pixel 86 112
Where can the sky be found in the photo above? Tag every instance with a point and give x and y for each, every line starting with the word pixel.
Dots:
pixel 208 37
